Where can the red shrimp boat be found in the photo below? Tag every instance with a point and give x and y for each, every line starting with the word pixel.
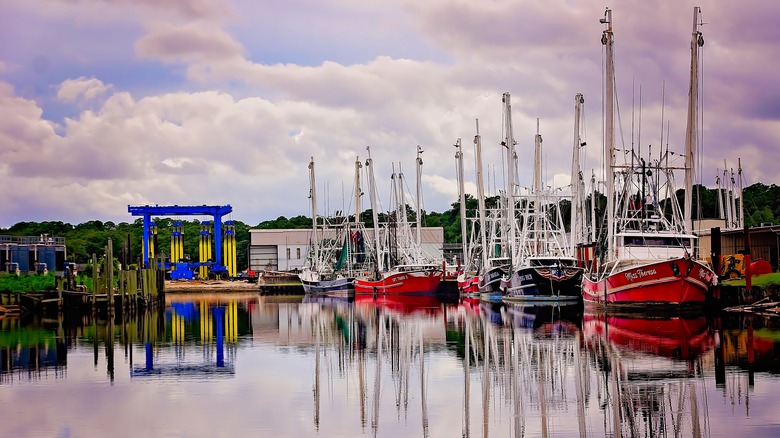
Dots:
pixel 650 255
pixel 403 279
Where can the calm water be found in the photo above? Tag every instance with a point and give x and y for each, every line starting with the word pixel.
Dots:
pixel 255 366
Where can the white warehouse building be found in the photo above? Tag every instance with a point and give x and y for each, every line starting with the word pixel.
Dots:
pixel 286 250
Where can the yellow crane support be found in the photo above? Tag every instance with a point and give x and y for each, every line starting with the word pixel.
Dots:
pixel 152 240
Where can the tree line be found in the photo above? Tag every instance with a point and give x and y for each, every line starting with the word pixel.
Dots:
pixel 762 205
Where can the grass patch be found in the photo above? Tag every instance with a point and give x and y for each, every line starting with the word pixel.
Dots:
pixel 759 280
pixel 26 283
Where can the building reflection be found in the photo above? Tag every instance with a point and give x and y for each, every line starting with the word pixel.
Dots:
pixel 28 353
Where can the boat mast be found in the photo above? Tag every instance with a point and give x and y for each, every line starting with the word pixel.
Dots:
pixel 593 206
pixel 419 194
pixel 358 192
pixel 727 197
pixel 721 214
pixel 607 39
pixel 462 194
pixel 481 195
pixel 577 208
pixel 691 129
pixel 740 209
pixel 509 143
pixel 539 227
pixel 313 197
pixel 374 214
pixel 733 200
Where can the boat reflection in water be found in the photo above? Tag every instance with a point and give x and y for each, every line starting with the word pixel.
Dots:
pixel 526 354
pixel 394 331
pixel 384 367
pixel 650 372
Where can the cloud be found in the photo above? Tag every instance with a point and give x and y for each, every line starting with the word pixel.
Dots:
pixel 185 9
pixel 81 88
pixel 192 42
pixel 210 105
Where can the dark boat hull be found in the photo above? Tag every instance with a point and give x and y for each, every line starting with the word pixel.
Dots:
pixel 544 284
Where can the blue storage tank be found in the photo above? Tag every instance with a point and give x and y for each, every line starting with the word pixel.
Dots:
pixel 21 254
pixel 48 255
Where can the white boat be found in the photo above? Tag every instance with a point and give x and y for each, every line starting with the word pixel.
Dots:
pixel 340 249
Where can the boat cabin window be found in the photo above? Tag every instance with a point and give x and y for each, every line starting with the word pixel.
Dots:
pixel 656 241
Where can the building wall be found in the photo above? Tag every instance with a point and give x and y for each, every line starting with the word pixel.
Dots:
pixel 32 254
pixel 264 243
pixel 764 242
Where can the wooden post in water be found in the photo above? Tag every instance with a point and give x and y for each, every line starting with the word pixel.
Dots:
pixel 94 281
pixel 110 274
pixel 133 287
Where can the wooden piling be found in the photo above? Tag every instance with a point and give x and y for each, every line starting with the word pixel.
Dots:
pixel 109 260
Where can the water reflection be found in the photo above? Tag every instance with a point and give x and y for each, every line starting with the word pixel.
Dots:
pixel 415 365
pixel 30 353
pixel 650 371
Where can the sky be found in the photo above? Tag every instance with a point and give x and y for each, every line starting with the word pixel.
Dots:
pixel 110 103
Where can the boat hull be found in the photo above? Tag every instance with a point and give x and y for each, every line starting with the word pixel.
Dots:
pixel 424 281
pixel 544 284
pixel 468 284
pixel 680 281
pixel 327 286
pixel 491 280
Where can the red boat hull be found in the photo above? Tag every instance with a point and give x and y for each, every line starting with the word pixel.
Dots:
pixel 424 281
pixel 406 304
pixel 679 281
pixel 677 338
pixel 468 285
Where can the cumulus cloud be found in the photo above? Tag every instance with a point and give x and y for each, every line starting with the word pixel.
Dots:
pixel 260 96
pixel 81 88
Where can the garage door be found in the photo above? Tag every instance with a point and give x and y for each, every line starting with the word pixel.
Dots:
pixel 263 258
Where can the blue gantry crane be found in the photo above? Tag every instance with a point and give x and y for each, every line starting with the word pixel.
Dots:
pixel 185 269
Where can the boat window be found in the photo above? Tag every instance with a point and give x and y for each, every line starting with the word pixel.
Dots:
pixel 656 241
